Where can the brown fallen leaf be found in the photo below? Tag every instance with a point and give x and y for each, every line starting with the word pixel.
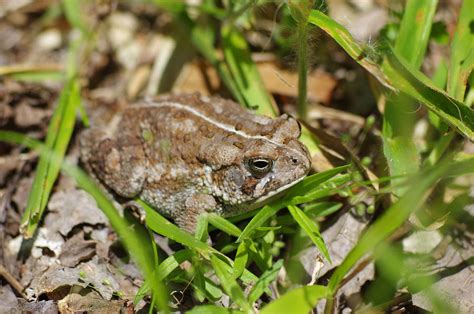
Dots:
pixel 71 208
pixel 57 282
pixel 77 250
pixel 91 302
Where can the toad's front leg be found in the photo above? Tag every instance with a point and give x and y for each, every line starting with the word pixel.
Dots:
pixel 195 205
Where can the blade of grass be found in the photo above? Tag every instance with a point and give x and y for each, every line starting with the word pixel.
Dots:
pixel 264 281
pixel 59 134
pixel 38 76
pixel 440 78
pixel 162 226
pixel 311 229
pixel 462 52
pixel 72 10
pixel 202 231
pixel 332 186
pixel 172 262
pixel 132 240
pixel 164 269
pixel 400 112
pixel 224 225
pixel 211 309
pixel 241 258
pixel 35 72
pixel 322 209
pixel 244 72
pixel 172 6
pixel 415 27
pixel 205 287
pixel 258 220
pixel 300 10
pixel 230 286
pixel 298 301
pixel 313 181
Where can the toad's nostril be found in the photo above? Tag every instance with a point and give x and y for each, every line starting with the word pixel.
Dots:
pixel 294 161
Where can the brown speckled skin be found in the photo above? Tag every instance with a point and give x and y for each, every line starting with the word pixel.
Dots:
pixel 187 154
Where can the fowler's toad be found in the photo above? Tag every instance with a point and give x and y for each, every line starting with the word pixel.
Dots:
pixel 187 154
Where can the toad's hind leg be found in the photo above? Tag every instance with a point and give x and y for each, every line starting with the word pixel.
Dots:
pixel 120 165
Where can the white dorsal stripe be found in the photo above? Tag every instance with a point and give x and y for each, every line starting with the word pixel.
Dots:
pixel 220 125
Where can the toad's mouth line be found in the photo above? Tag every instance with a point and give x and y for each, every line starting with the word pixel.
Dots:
pixel 264 199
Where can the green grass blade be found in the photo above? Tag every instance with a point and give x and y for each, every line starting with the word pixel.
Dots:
pixel 394 217
pixel 133 241
pixel 440 78
pixel 172 262
pixel 244 72
pixel 330 187
pixel 59 134
pixel 322 209
pixel 415 28
pixel 162 226
pixel 228 283
pixel 172 6
pixel 311 229
pixel 400 111
pixel 461 167
pixel 400 151
pixel 462 52
pixel 73 12
pixel 241 258
pixel 211 309
pixel 264 281
pixel 202 231
pixel 32 73
pixel 313 181
pixel 224 225
pixel 297 301
pixel 299 11
pixel 259 219
pixel 163 270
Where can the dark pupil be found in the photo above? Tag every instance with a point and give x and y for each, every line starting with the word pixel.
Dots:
pixel 260 164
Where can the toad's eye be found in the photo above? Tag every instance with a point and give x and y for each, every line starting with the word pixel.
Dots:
pixel 259 166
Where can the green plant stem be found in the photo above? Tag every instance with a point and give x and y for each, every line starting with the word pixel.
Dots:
pixel 302 69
